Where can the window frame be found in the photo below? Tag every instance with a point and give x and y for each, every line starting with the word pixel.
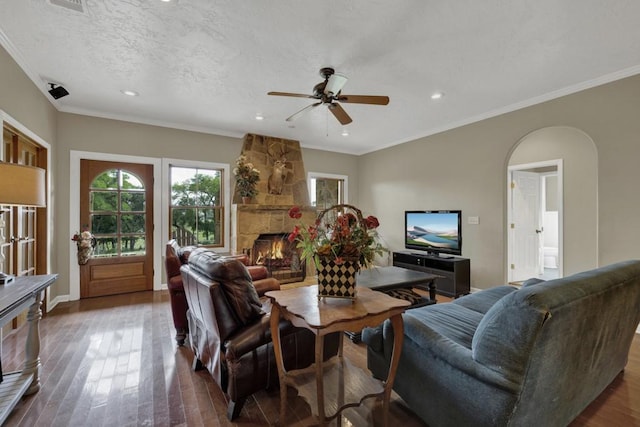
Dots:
pixel 225 168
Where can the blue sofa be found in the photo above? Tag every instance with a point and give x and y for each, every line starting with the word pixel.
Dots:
pixel 514 357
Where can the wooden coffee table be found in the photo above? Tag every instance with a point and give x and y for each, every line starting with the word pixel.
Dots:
pixel 302 308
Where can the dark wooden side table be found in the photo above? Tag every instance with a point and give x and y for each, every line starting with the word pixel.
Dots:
pixel 302 308
pixel 24 292
pixel 390 279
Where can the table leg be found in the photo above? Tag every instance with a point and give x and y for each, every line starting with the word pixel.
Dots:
pixel 277 349
pixel 432 290
pixel 320 378
pixel 32 346
pixel 398 337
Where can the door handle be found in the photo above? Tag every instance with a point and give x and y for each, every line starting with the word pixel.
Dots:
pixel 540 231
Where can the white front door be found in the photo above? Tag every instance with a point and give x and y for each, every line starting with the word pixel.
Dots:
pixel 526 226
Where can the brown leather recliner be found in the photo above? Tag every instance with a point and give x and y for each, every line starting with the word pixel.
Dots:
pixel 175 257
pixel 229 329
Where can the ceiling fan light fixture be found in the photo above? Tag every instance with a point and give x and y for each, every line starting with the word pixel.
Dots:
pixel 129 92
pixel 259 116
pixel 437 95
pixel 345 132
pixel 335 84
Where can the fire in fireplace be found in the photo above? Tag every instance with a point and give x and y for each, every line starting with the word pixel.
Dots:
pixel 281 257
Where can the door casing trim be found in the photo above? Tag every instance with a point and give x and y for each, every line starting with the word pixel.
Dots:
pixel 558 164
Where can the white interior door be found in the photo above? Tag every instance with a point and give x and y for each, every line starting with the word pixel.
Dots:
pixel 526 226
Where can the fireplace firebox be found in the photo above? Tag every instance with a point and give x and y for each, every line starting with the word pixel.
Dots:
pixel 279 256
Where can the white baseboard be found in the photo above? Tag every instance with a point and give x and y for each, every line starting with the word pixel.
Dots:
pixel 57 300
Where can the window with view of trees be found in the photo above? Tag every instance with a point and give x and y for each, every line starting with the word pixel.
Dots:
pixel 197 207
pixel 117 212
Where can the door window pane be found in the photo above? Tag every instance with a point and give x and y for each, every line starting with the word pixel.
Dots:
pixel 133 245
pixel 132 202
pixel 106 246
pixel 106 180
pixel 133 223
pixel 103 201
pixel 104 224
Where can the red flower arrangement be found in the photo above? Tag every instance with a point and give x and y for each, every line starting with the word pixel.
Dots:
pixel 339 233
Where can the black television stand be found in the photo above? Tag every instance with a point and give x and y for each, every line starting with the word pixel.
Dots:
pixel 433 255
pixel 455 271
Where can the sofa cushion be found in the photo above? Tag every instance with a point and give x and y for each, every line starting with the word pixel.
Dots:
pixel 235 280
pixel 453 321
pixel 482 301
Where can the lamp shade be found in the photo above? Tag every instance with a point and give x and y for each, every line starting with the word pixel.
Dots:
pixel 22 185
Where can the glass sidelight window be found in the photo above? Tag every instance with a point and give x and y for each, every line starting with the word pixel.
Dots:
pixel 326 190
pixel 117 210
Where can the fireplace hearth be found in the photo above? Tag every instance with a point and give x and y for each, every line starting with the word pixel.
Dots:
pixel 279 256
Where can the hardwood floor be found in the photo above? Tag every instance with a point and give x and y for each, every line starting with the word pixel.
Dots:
pixel 112 361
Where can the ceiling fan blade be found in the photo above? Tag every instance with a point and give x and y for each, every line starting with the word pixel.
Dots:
pixel 296 95
pixel 364 99
pixel 340 114
pixel 299 113
pixel 335 84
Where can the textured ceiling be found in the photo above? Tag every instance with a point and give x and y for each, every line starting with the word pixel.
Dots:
pixel 207 65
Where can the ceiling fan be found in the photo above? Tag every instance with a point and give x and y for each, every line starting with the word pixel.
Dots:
pixel 329 93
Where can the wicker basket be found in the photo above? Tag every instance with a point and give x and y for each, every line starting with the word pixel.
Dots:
pixel 339 280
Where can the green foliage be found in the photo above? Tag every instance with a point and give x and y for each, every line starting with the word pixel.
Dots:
pixel 194 211
pixel 247 177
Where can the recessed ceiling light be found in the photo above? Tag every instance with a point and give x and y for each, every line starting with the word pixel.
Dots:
pixel 130 92
pixel 345 132
pixel 259 116
pixel 437 95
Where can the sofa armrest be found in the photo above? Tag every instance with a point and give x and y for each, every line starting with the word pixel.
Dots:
pixel 257 272
pixel 264 285
pixel 435 345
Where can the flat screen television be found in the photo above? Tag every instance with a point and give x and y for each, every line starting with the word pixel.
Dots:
pixel 435 232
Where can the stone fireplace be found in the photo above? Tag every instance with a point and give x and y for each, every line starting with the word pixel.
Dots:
pixel 268 212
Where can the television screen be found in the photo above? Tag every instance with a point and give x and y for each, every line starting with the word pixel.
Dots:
pixel 434 231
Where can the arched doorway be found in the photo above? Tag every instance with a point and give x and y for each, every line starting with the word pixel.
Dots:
pixel 568 156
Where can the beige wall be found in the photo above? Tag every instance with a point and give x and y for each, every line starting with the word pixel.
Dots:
pixel 465 168
pixel 21 99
